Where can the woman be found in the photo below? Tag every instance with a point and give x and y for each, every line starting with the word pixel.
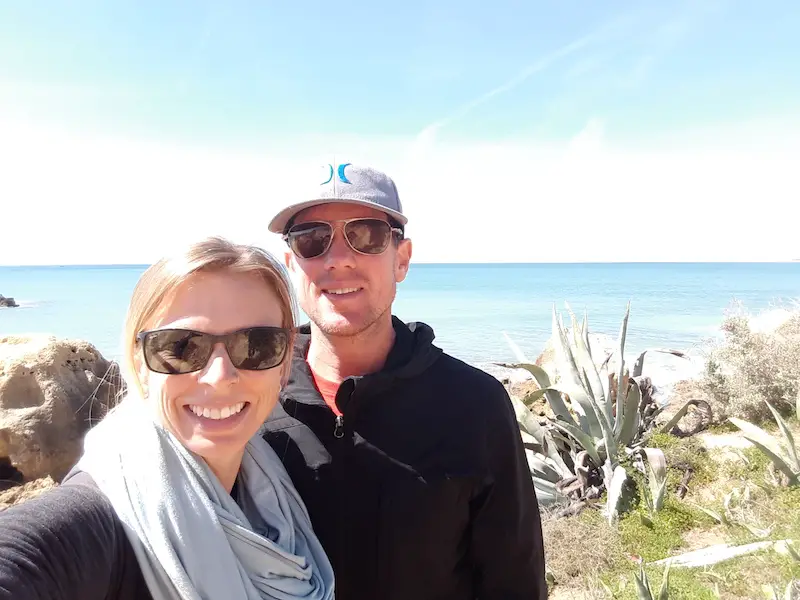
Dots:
pixel 176 495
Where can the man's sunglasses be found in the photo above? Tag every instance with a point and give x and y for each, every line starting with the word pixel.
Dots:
pixel 179 351
pixel 364 235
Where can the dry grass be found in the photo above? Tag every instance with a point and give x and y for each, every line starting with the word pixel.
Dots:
pixel 751 366
pixel 578 549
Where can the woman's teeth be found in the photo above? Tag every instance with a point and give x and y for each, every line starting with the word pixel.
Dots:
pixel 217 413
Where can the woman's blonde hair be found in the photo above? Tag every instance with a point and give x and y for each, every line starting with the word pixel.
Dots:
pixel 214 254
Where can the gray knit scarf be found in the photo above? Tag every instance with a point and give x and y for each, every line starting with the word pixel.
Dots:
pixel 191 539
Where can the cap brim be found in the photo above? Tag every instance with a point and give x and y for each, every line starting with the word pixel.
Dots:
pixel 278 223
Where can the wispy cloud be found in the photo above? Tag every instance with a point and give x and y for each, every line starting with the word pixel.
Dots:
pixel 538 66
pixel 642 36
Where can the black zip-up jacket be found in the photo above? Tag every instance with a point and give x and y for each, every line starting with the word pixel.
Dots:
pixel 421 490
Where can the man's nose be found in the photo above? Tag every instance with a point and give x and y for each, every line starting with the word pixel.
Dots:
pixel 340 254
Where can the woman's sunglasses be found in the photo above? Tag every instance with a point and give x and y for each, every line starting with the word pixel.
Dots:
pixel 363 235
pixel 179 351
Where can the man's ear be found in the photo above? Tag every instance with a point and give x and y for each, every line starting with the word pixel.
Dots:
pixel 403 260
pixel 288 260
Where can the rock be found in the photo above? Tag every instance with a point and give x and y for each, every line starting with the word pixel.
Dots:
pixel 520 391
pixel 7 302
pixel 505 374
pixel 51 391
pixel 21 493
pixel 10 476
pixel 600 344
pixel 697 418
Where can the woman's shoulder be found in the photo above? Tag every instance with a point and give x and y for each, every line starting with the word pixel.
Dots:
pixel 77 498
pixel 76 505
pixel 67 538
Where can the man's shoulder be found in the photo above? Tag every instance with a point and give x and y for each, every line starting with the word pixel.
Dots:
pixel 292 439
pixel 474 393
pixel 280 420
pixel 456 372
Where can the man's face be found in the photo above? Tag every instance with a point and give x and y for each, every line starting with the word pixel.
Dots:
pixel 344 292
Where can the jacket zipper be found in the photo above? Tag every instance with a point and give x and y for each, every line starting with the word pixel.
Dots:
pixel 338 429
pixel 338 434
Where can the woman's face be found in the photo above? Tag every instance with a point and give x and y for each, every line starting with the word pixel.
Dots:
pixel 237 401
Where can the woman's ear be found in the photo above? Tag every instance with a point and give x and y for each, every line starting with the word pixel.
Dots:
pixel 142 373
pixel 285 370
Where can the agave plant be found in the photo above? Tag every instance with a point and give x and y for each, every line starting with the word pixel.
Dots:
pixel 786 459
pixel 547 467
pixel 643 589
pixel 792 591
pixel 600 416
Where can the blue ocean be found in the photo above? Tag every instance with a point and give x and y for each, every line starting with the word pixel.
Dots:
pixel 471 307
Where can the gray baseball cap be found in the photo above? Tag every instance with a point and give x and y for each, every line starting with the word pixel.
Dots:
pixel 349 184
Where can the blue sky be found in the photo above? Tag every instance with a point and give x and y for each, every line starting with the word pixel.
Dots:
pixel 250 90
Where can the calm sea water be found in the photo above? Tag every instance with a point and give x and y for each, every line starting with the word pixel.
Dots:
pixel 470 306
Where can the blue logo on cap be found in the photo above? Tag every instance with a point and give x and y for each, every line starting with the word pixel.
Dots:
pixel 340 172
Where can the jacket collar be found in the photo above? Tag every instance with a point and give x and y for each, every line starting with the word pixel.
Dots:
pixel 411 354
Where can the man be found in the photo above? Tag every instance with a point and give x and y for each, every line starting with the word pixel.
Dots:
pixel 410 461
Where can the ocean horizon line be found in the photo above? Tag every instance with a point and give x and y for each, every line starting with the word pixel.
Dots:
pixel 445 264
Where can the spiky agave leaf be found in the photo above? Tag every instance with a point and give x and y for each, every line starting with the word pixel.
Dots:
pixel 720 518
pixel 544 468
pixel 530 425
pixel 789 593
pixel 767 444
pixel 638 366
pixel 797 406
pixel 583 439
pixel 669 425
pixel 614 488
pixel 791 449
pixel 656 476
pixel 663 593
pixel 597 425
pixel 629 420
pixel 585 331
pixel 643 591
pixel 583 357
pixel 573 384
pixel 623 332
pixel 515 350
pixel 547 493
pixel 573 347
pixel 546 389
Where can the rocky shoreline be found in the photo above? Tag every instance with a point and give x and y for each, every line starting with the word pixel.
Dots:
pixel 6 302
pixel 51 392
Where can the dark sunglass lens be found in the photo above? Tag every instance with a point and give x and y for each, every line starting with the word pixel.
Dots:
pixel 257 348
pixel 175 351
pixel 310 240
pixel 370 236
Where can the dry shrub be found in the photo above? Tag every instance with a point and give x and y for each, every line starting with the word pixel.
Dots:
pixel 578 549
pixel 751 366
